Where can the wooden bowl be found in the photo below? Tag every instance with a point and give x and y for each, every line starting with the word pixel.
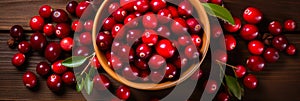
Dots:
pixel 151 86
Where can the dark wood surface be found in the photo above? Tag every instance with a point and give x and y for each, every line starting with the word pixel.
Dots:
pixel 279 81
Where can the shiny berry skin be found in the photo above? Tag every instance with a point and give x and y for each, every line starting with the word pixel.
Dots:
pixel 24 47
pixel 150 37
pixel 230 42
pixel 88 25
pixel 280 42
pixel 271 55
pixel 104 40
pixel 255 63
pixel 223 97
pixel 77 26
pixel 16 32
pixel 233 28
pixel 193 24
pixel 249 32
pixel 38 41
pixel 163 31
pixel 30 80
pixel 18 59
pixel 68 78
pixel 81 7
pixel 115 62
pixel 180 61
pixel 123 92
pixel 54 83
pixel 101 82
pixel 130 21
pixel 218 2
pixel 58 68
pixel 156 61
pixel 113 7
pixel 240 71
pixel 165 48
pixel 62 30
pixel 127 4
pixel 275 27
pixel 164 16
pixel 108 23
pixel 59 16
pixel 117 31
pixel 211 86
pixel 49 29
pixel 291 49
pixel 197 75
pixel 184 40
pixel 71 7
pixel 130 73
pixel 141 6
pixel 81 51
pixel 290 25
pixel 179 26
pixel 42 68
pixel 37 23
pixel 191 52
pixel 185 9
pixel 119 15
pixel 256 47
pixel 220 55
pixel 173 10
pixel 170 71
pixel 143 51
pixel 52 51
pixel 45 11
pixel 85 38
pixel 252 15
pixel 141 64
pixel 66 43
pixel 150 21
pixel 157 5
pixel 156 76
pixel 250 81
pixel 95 63
pixel 216 31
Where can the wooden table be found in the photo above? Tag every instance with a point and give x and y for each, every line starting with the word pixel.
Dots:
pixel 279 81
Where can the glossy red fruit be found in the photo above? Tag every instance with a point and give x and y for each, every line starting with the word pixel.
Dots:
pixel 108 23
pixel 291 49
pixel 252 15
pixel 220 55
pixel 113 7
pixel 157 5
pixel 141 6
pixel 280 42
pixel 130 21
pixel 127 4
pixel 290 25
pixel 141 64
pixel 101 82
pixel 150 21
pixel 179 26
pixel 185 9
pixel 271 55
pixel 180 61
pixel 95 63
pixel 174 12
pixel 250 81
pixel 30 79
pixel 68 78
pixel 218 2
pixel 150 37
pixel 104 40
pixel 37 23
pixel 216 31
pixel 130 73
pixel 249 32
pixel 275 27
pixel 256 47
pixel 156 61
pixel 240 71
pixel 88 25
pixel 119 15
pixel 233 28
pixel 85 38
pixel 71 7
pixel 165 48
pixel 81 7
pixel 24 47
pixel 81 51
pixel 117 31
pixel 66 44
pixel 42 68
pixel 49 29
pixel 133 35
pixel 62 30
pixel 54 83
pixel 197 75
pixel 38 41
pixel 230 42
pixel 193 25
pixel 184 40
pixel 123 92
pixel 59 16
pixel 18 59
pixel 164 16
pixel 163 31
pixel 170 71
pixel 211 86
pixel 115 62
pixel 123 50
pixel 16 32
pixel 191 52
pixel 156 76
pixel 77 26
pixel 255 63
pixel 45 11
pixel 52 51
pixel 143 51
pixel 58 68
pixel 223 97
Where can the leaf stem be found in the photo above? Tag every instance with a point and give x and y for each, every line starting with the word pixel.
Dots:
pixel 86 67
pixel 226 64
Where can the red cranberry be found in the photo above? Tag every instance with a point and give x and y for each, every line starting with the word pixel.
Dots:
pixel 77 26
pixel 133 35
pixel 156 76
pixel 211 86
pixel 16 32
pixel 49 29
pixel 180 61
pixel 157 5
pixel 163 31
pixel 108 23
pixel 170 71
pixel 52 51
pixel 233 28
pixel 150 21
pixel 256 47
pixel 271 55
pixel 81 51
pixel 38 41
pixel 220 55
pixel 42 68
pixel 119 15
pixel 18 59
pixel 127 4
pixel 252 15
pixel 230 42
pixel 275 27
pixel 255 63
pixel 197 75
pixel 223 97
pixel 71 7
pixel 141 6
pixel 156 61
pixel 291 49
pixel 130 73
pixel 66 43
pixel 249 32
pixel 58 68
pixel 85 38
pixel 193 24
pixel 218 2
pixel 130 21
pixel 179 26
pixel 150 37
pixel 95 63
pixel 280 42
pixel 290 25
pixel 185 9
pixel 81 7
pixel 240 71
pixel 164 16
pixel 250 81
pixel 173 11
pixel 141 64
pixel 37 23
pixel 165 48
pixel 143 51
pixel 101 82
pixel 54 83
pixel 104 40
pixel 62 30
pixel 60 16
pixel 191 52
pixel 45 11
pixel 88 25
pixel 184 40
pixel 68 78
pixel 30 79
pixel 113 7
pixel 24 47
pixel 117 31
pixel 115 63
pixel 216 31
pixel 123 92
pixel 144 75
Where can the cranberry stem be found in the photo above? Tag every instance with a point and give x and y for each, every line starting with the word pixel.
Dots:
pixel 86 67
pixel 226 64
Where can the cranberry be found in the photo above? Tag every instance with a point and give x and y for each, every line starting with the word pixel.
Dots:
pixel 141 6
pixel 137 14
pixel 163 31
pixel 37 23
pixel 62 30
pixel 58 68
pixel 130 21
pixel 54 83
pixel 197 75
pixel 127 4
pixel 131 55
pixel 113 7
pixel 115 63
pixel 143 51
pixel 68 78
pixel 164 16
pixel 150 37
pixel 60 16
pixel 85 38
pixel 49 29
pixel 71 7
pixel 218 2
pixel 185 9
pixel 141 64
pixel 211 86
pixel 18 59
pixel 230 42
pixel 165 48
pixel 95 63
pixel 38 41
pixel 240 71
pixel 184 40
pixel 42 68
pixel 144 75
pixel 170 71
pixel 156 61
pixel 119 15
pixel 191 52
pixel 179 26
pixel 180 61
pixel 101 82
pixel 156 76
pixel 275 27
pixel 220 55
pixel 52 51
pixel 77 26
pixel 45 11
pixel 223 97
pixel 123 92
pixel 252 15
pixel 88 25
pixel 81 51
pixel 216 31
pixel 233 28
pixel 256 47
pixel 16 32
pixel 255 63
pixel 66 43
pixel 280 42
pixel 271 55
pixel 157 5
pixel 117 31
pixel 193 24
pixel 291 49
pixel 250 81
pixel 104 40
pixel 81 7
pixel 173 11
pixel 150 21
pixel 133 35
pixel 249 32
pixel 130 73
pixel 108 23
pixel 290 25
pixel 24 47
pixel 30 79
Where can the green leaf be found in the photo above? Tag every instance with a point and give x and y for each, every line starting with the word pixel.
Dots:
pixel 92 72
pixel 79 85
pixel 88 84
pixel 234 86
pixel 218 11
pixel 74 61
